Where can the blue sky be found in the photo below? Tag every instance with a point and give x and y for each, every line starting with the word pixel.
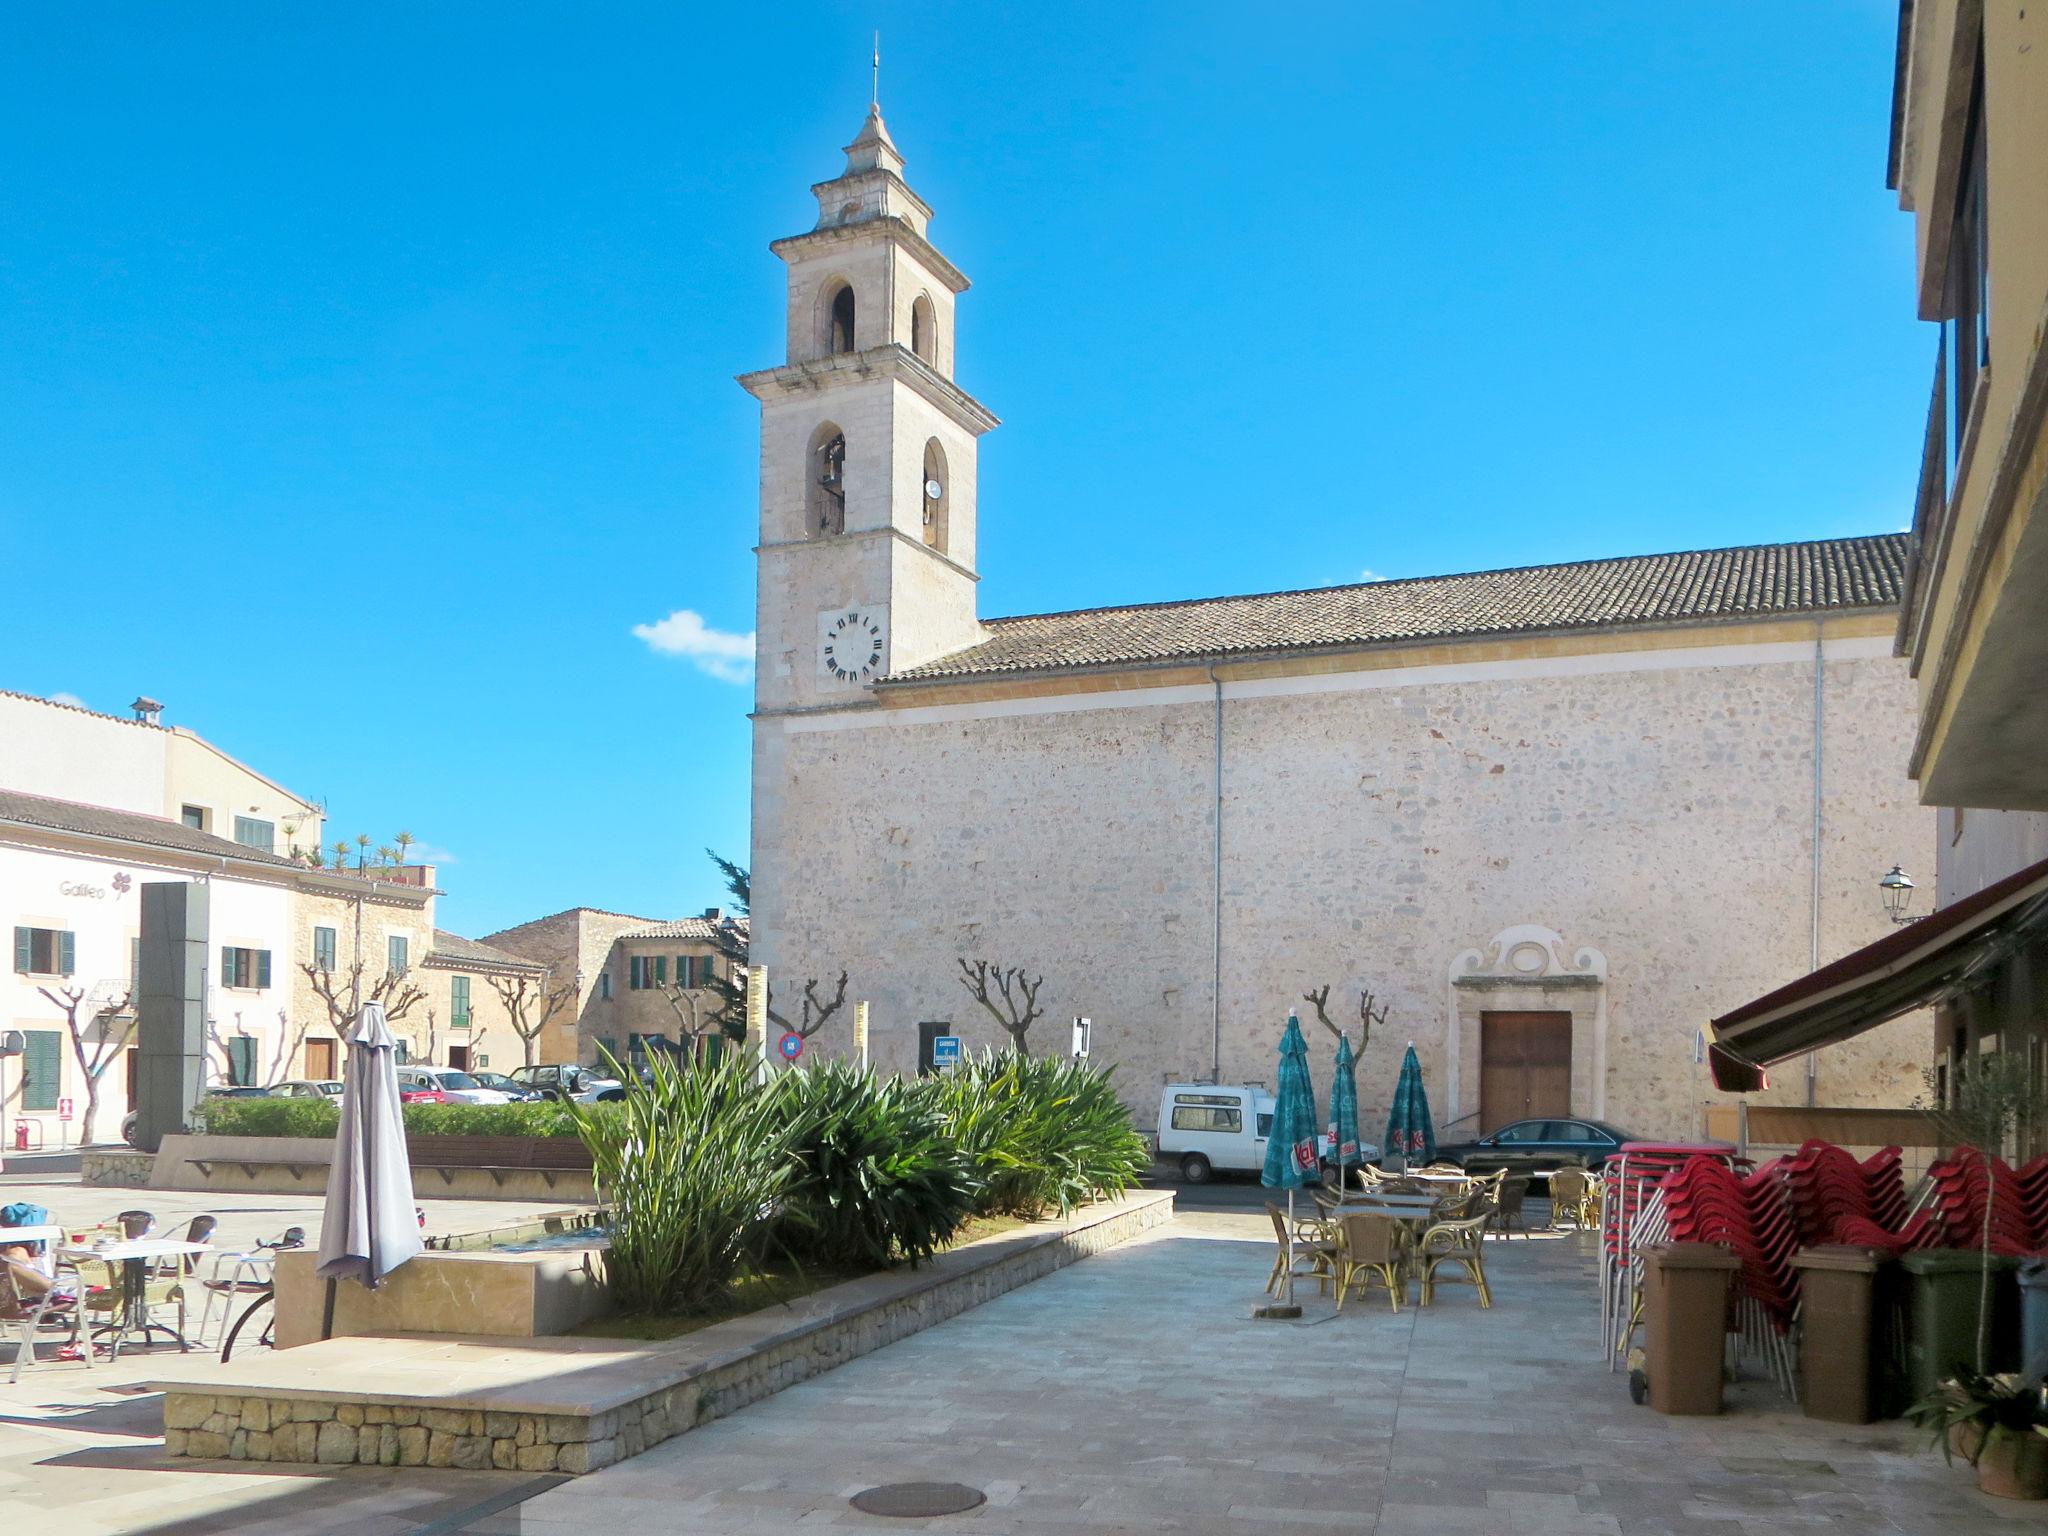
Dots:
pixel 366 371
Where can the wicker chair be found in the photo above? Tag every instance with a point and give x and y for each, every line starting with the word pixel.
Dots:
pixel 1369 1249
pixel 1506 1218
pixel 1568 1198
pixel 1312 1246
pixel 1456 1243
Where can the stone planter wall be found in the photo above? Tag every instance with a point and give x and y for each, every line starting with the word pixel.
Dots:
pixel 709 1374
pixel 115 1167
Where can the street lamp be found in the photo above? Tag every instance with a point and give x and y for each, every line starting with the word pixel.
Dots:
pixel 1897 890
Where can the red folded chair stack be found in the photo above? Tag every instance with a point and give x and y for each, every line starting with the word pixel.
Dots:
pixel 1836 1199
pixel 1707 1202
pixel 1627 1180
pixel 1884 1176
pixel 1961 1186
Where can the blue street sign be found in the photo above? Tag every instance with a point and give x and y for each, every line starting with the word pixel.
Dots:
pixel 946 1051
pixel 791 1045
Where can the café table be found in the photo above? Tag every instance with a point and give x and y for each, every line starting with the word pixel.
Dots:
pixel 136 1256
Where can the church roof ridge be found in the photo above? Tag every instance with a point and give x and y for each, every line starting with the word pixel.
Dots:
pixel 1668 587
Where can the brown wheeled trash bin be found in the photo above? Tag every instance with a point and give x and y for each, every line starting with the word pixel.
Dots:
pixel 1838 1332
pixel 1685 1322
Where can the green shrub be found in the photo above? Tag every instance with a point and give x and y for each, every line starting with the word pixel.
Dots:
pixel 882 1182
pixel 691 1162
pixel 1043 1133
pixel 266 1117
pixel 317 1117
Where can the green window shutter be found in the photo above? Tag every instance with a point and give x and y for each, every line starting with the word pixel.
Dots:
pixel 67 958
pixel 227 966
pixel 262 967
pixel 458 1000
pixel 241 1061
pixel 24 948
pixel 661 970
pixel 42 1066
pixel 632 973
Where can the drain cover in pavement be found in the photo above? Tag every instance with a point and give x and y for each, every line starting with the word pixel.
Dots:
pixel 912 1501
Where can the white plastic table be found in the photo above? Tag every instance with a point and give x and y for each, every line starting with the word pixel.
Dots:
pixel 134 1255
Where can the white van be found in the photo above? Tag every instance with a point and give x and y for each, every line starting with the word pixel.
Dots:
pixel 1217 1127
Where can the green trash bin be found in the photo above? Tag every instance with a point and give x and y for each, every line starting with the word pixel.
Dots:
pixel 1943 1288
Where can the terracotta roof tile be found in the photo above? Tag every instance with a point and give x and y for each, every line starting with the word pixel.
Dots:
pixel 1691 587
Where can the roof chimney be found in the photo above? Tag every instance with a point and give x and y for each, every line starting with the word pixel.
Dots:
pixel 149 711
pixel 714 914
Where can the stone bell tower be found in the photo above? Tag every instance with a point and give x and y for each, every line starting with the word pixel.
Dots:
pixel 866 554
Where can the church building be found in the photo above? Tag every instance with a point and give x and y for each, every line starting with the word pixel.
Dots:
pixel 1552 819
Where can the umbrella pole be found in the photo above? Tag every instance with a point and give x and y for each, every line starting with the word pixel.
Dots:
pixel 327 1313
pixel 1290 1245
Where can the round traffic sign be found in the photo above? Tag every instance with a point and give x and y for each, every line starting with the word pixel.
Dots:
pixel 791 1045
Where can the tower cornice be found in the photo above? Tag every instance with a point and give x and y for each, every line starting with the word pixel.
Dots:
pixel 889 227
pixel 890 360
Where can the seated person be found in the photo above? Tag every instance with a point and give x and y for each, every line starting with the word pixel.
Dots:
pixel 32 1264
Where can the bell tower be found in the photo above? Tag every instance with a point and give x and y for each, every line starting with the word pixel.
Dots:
pixel 866 553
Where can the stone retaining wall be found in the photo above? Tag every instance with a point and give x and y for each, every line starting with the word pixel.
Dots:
pixel 115 1167
pixel 713 1378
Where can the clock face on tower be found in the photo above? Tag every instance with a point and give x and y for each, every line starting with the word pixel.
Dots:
pixel 852 643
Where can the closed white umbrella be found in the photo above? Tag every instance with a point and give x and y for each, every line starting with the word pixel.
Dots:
pixel 370 1227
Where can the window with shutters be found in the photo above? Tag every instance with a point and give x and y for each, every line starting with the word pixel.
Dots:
pixel 661 970
pixel 241 1061
pixel 42 1069
pixel 604 986
pixel 398 954
pixel 323 949
pixel 245 969
pixel 636 973
pixel 253 833
pixel 458 1001
pixel 45 951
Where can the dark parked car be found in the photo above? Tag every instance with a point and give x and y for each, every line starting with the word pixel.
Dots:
pixel 1538 1146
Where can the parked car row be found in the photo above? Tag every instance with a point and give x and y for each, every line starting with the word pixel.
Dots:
pixel 1210 1128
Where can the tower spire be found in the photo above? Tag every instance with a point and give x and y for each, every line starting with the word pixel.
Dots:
pixel 875 81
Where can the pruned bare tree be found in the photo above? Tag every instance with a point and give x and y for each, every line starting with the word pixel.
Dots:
pixel 288 1045
pixel 93 1062
pixel 816 1011
pixel 1319 998
pixel 531 1005
pixel 1010 996
pixel 342 993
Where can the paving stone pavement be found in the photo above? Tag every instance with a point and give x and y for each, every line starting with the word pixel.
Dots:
pixel 1134 1393
pixel 79 1458
pixel 1129 1393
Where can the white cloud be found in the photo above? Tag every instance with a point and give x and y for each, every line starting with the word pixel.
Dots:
pixel 68 698
pixel 1369 574
pixel 430 853
pixel 715 652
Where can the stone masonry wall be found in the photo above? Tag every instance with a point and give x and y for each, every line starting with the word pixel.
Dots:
pixel 1373 829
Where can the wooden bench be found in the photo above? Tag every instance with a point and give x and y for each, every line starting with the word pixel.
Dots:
pixel 548 1156
pixel 297 1167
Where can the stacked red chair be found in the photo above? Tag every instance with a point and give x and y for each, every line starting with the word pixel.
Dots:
pixel 1835 1199
pixel 1967 1182
pixel 1707 1202
pixel 1884 1176
pixel 1631 1212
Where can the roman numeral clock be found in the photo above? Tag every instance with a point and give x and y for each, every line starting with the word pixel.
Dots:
pixel 852 643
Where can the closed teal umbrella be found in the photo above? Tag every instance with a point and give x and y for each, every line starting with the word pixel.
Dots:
pixel 1410 1131
pixel 1344 1111
pixel 1291 1144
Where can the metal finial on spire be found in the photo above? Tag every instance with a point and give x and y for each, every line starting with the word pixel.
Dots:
pixel 875 82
